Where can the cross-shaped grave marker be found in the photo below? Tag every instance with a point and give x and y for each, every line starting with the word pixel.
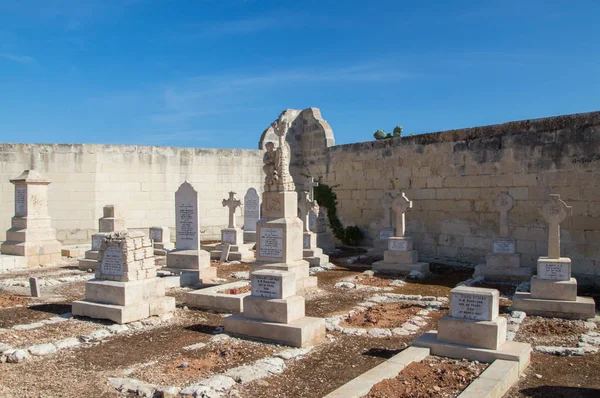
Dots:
pixel 504 203
pixel 554 212
pixel 310 187
pixel 401 204
pixel 305 204
pixel 233 204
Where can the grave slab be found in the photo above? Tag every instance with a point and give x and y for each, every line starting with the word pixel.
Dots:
pixel 581 308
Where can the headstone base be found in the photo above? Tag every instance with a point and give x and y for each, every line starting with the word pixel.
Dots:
pixel 581 308
pixel 304 282
pixel 36 253
pixel 188 259
pixel 408 257
pixel 311 253
pixel 553 290
pixel 399 269
pixel 249 236
pixel 510 350
pixel 210 299
pixel 75 251
pixel 274 310
pixel 507 260
pixel 241 252
pixel 85 264
pixel 8 262
pixel 301 333
pixel 480 334
pixel 124 302
pixel 509 274
pixel 233 236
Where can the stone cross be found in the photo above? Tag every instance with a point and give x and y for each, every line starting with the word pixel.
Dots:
pixel 554 212
pixel 386 203
pixel 504 202
pixel 305 204
pixel 310 187
pixel 401 204
pixel 233 204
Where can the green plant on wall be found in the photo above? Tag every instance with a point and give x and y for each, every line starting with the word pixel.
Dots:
pixel 326 197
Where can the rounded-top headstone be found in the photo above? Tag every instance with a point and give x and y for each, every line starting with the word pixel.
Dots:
pixel 504 202
pixel 554 210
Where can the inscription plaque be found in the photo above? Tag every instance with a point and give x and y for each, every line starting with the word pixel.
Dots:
pixel 554 271
pixel 266 286
pixel 504 247
pixel 228 237
pixel 21 199
pixel 397 245
pixel 471 306
pixel 112 261
pixel 271 242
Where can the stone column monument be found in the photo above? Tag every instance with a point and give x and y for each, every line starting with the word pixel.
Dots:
pixel 108 223
pixel 504 264
pixel 311 253
pixel 126 288
pixel 187 256
pixel 280 231
pixel 553 290
pixel 31 235
pixel 400 258
pixel 232 236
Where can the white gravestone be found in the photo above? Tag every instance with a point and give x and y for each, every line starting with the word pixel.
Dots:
pixel 504 246
pixel 156 234
pixel 21 199
pixel 228 236
pixel 397 245
pixel 267 286
pixel 271 242
pixel 554 271
pixel 471 306
pixel 186 218
pixel 112 261
pixel 251 210
pixel 97 241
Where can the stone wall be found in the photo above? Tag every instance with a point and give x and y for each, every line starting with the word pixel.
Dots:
pixel 139 180
pixel 454 176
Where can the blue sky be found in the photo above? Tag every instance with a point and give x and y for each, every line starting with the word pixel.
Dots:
pixel 216 73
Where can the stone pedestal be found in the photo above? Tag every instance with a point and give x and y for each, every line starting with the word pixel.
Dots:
pixel 554 292
pixel 238 250
pixel 473 329
pixel 275 313
pixel 400 258
pixel 126 288
pixel 31 235
pixel 311 253
pixel 280 238
pixel 504 264
pixel 161 240
pixel 107 224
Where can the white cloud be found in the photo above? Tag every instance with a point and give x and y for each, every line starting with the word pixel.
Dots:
pixel 22 59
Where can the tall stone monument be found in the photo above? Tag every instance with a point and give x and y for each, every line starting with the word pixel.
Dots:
pixel 187 256
pixel 311 253
pixel 474 330
pixel 280 231
pixel 400 258
pixel 504 264
pixel 274 312
pixel 126 288
pixel 553 290
pixel 108 223
pixel 251 215
pixel 31 235
pixel 232 245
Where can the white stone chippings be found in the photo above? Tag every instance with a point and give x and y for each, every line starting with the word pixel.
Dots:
pixel 196 346
pixel 565 351
pixel 42 349
pixel 117 328
pixel 345 285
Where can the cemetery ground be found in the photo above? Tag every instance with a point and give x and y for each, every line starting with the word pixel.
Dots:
pixel 370 318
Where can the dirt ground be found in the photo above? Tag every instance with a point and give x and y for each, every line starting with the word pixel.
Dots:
pixel 431 377
pixel 157 355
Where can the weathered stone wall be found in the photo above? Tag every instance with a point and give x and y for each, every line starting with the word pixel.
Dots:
pixel 454 176
pixel 139 180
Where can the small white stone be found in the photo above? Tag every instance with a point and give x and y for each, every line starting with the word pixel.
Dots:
pixel 196 346
pixel 42 349
pixel 117 328
pixel 28 326
pixel 380 332
pixel 400 332
pixel 344 285
pixel 67 343
pixel 292 353
pixel 354 331
pixel 16 356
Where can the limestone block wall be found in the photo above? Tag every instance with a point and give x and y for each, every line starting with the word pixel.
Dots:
pixel 454 176
pixel 139 180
